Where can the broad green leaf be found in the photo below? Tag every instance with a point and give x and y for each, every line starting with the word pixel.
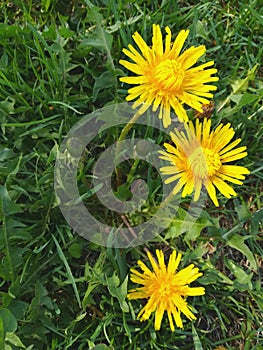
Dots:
pixel 42 295
pixel 7 106
pixel 4 61
pixel 9 321
pixel 10 31
pixel 50 32
pixel 211 275
pixel 95 277
pixel 13 292
pixel 45 4
pixel 11 262
pixel 87 297
pixel 40 299
pixel 7 206
pixel 104 81
pixel 195 230
pixel 118 291
pixel 238 272
pixel 95 272
pixel 185 223
pixel 18 307
pixel 94 12
pixel 102 347
pixel 257 219
pixel 242 212
pixel 75 250
pixel 123 193
pixel 6 270
pixel 80 317
pixel 66 32
pixel 17 230
pixel 201 30
pixel 13 339
pixel 99 39
pixel 198 252
pixel 128 21
pixel 72 324
pixel 247 98
pixel 237 242
pixel 7 153
pixel 9 167
pixel 240 85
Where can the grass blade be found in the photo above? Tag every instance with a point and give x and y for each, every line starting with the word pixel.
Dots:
pixel 70 276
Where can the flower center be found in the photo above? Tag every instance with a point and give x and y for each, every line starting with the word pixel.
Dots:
pixel 169 75
pixel 164 290
pixel 204 162
pixel 168 287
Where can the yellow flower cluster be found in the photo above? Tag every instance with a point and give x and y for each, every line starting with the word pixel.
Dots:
pixel 168 79
pixel 165 289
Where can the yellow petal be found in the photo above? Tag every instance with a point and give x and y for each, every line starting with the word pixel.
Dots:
pixel 168 40
pixel 142 46
pixel 174 262
pixel 153 262
pixel 195 291
pixel 234 171
pixel 135 56
pixel 157 42
pixel 158 318
pixel 233 152
pixel 177 319
pixel 135 80
pixel 179 110
pixel 198 187
pixel 178 43
pixel 212 192
pixel 223 187
pixel 160 257
pixel 190 56
pixel 135 68
pixel 188 188
pixel 170 318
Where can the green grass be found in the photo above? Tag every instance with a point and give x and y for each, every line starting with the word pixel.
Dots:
pixel 59 62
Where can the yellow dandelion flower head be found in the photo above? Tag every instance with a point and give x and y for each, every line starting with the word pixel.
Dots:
pixel 165 288
pixel 199 158
pixel 167 79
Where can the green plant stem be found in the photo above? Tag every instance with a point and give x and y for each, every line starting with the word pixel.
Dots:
pixel 132 171
pixel 167 200
pixel 128 126
pixel 123 134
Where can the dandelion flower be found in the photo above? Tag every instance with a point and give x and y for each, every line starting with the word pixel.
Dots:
pixel 166 289
pixel 199 158
pixel 167 79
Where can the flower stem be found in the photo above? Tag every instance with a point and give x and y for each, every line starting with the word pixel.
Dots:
pixel 122 136
pixel 167 200
pixel 128 126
